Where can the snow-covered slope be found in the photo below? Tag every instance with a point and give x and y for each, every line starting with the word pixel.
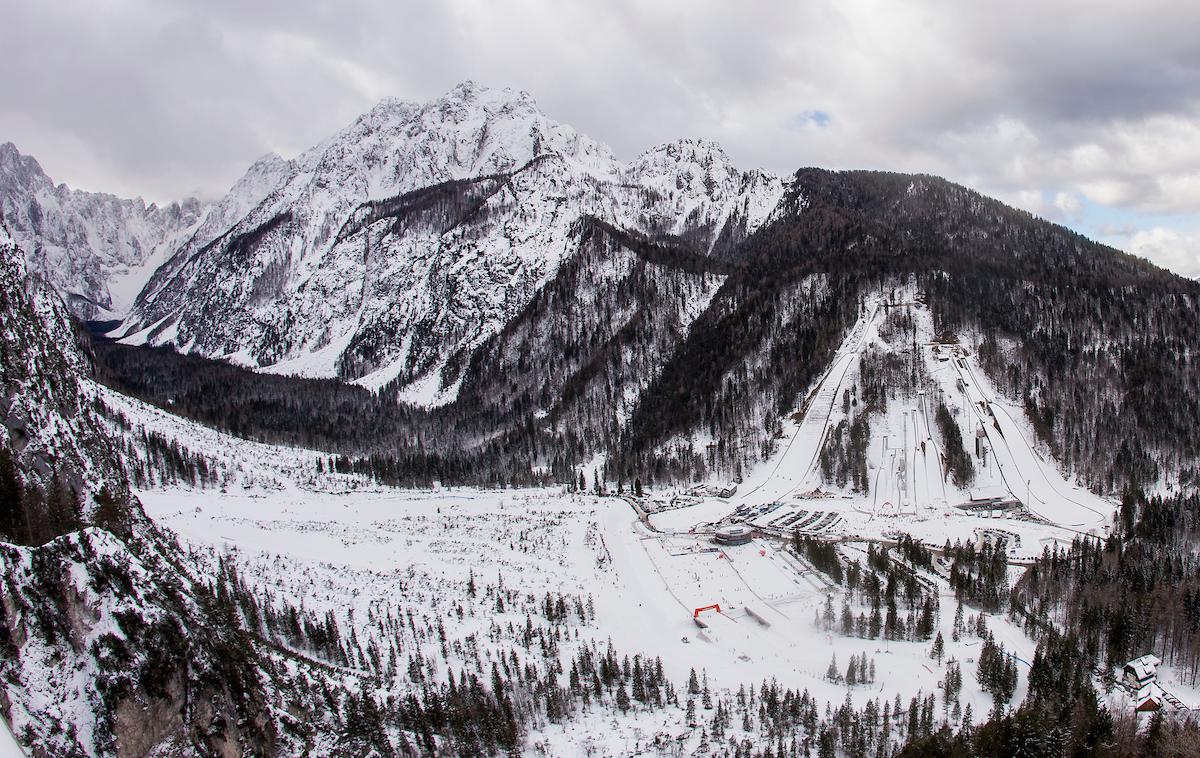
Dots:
pixel 95 659
pixel 419 231
pixel 44 415
pixel 96 249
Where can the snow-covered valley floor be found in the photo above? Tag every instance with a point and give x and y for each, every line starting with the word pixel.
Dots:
pixel 369 555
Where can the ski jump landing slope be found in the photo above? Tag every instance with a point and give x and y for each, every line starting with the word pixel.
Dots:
pixel 796 468
pixel 1030 478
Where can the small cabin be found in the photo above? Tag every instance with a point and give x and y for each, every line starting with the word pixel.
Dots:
pixel 1147 700
pixel 1141 672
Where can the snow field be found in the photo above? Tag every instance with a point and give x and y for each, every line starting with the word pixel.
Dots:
pixel 367 555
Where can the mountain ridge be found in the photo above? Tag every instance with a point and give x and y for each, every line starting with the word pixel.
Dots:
pixel 414 251
pixel 95 248
pixel 327 300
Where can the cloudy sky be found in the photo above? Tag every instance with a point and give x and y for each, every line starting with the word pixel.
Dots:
pixel 1085 114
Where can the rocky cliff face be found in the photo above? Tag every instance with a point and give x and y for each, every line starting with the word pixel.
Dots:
pixel 417 232
pixel 107 645
pixel 96 249
pixel 109 650
pixel 44 413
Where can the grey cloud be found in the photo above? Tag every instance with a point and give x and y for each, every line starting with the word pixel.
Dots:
pixel 1022 100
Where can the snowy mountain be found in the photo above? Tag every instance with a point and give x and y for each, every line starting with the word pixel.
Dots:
pixel 96 249
pixel 879 362
pixel 419 231
pixel 684 351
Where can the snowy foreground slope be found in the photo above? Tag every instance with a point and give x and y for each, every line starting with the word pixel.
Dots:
pixel 423 586
pixel 93 656
pixel 372 558
pixel 430 584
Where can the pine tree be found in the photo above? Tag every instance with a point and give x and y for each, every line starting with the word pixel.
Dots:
pixel 885 731
pixel 11 498
pixel 925 623
pixel 832 673
pixel 639 682
pixel 622 698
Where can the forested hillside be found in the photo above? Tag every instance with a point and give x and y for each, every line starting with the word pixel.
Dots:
pixel 675 364
pixel 99 591
pixel 1097 345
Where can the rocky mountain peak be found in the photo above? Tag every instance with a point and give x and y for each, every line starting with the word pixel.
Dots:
pixel 416 232
pixel 95 248
pixel 20 173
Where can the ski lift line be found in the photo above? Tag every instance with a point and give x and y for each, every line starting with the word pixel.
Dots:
pixel 1050 483
pixel 925 450
pixel 1018 659
pixel 800 426
pixel 847 359
pixel 983 422
pixel 940 455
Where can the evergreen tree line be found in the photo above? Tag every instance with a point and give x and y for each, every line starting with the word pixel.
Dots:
pixel 843 458
pixel 979 576
pixel 880 591
pixel 1091 608
pixel 958 462
pixel 33 515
